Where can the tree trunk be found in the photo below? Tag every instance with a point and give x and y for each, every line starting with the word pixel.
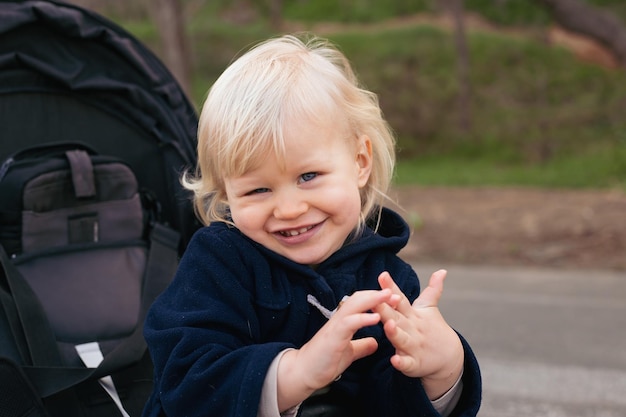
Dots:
pixel 168 17
pixel 456 10
pixel 585 19
pixel 276 14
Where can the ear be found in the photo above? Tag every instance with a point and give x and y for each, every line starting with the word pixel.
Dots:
pixel 364 159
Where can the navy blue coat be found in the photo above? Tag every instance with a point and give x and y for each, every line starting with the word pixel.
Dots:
pixel 234 305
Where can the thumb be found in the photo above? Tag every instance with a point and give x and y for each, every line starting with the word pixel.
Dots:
pixel 431 294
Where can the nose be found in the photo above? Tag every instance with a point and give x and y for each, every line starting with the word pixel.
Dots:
pixel 289 204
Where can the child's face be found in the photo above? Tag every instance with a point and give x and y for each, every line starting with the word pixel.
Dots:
pixel 304 208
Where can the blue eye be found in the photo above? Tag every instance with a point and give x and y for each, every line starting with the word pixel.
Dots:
pixel 308 176
pixel 258 191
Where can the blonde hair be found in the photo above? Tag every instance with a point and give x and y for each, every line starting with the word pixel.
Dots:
pixel 281 79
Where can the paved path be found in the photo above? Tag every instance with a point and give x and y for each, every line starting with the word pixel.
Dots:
pixel 550 342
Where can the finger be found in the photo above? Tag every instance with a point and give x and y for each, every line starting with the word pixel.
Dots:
pixel 355 321
pixel 362 301
pixel 358 311
pixel 363 347
pixel 399 338
pixel 403 305
pixel 402 363
pixel 431 294
pixel 387 312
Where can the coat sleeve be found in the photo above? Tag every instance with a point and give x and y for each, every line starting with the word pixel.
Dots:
pixel 201 334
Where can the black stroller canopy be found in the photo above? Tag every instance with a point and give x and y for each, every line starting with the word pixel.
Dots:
pixel 67 74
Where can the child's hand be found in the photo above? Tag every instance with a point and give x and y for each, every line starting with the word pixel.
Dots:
pixel 323 358
pixel 426 346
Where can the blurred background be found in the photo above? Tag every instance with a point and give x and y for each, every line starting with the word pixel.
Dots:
pixel 519 92
pixel 510 118
pixel 511 95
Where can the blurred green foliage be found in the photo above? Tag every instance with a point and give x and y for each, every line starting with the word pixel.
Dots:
pixel 503 12
pixel 353 11
pixel 540 116
pixel 509 12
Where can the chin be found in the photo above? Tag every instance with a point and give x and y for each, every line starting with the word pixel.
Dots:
pixel 307 259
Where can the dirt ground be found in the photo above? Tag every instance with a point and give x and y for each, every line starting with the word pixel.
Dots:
pixel 552 228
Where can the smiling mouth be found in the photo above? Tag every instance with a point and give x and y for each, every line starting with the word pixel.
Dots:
pixel 295 232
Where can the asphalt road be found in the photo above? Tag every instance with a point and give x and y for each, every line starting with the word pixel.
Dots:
pixel 550 342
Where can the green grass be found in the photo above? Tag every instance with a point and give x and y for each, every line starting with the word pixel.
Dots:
pixel 540 117
pixel 599 169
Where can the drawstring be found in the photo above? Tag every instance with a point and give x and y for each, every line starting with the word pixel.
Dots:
pixel 325 312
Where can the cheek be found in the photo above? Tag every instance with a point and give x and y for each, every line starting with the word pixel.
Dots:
pixel 343 199
pixel 246 218
pixel 237 214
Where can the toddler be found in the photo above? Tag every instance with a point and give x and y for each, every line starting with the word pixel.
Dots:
pixel 292 300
